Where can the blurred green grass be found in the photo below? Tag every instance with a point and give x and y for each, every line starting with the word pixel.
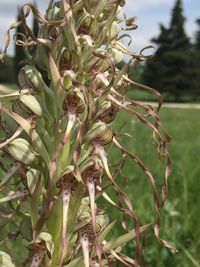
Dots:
pixel 180 218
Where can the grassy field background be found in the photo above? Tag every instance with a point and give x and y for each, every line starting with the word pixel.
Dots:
pixel 180 218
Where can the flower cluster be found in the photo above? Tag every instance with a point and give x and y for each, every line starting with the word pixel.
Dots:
pixel 56 131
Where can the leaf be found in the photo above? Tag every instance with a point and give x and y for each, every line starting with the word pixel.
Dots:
pixel 54 221
pixel 75 262
pixel 35 201
pixel 9 174
pixel 5 216
pixel 56 80
pixel 5 260
pixel 75 206
pixel 32 178
pixel 106 231
pixel 122 240
pixel 26 228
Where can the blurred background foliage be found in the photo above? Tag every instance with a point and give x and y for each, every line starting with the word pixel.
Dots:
pixel 174 70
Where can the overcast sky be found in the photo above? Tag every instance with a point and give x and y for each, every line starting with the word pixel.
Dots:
pixel 149 12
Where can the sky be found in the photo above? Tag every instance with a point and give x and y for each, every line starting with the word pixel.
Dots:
pixel 150 13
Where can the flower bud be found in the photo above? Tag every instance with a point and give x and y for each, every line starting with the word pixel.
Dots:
pixel 116 55
pixel 97 63
pixel 100 133
pixel 89 26
pixel 21 150
pixel 53 13
pixel 108 115
pixel 21 109
pixel 30 77
pixel 69 60
pixel 74 102
pixel 53 33
pixel 113 32
pixel 105 136
pixel 26 106
pixel 67 181
pixel 99 83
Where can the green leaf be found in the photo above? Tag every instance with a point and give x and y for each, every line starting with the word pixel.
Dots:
pixel 6 215
pixel 32 177
pixel 75 206
pixel 35 199
pixel 106 231
pixel 75 262
pixel 26 227
pixel 54 221
pixel 5 260
pixel 122 240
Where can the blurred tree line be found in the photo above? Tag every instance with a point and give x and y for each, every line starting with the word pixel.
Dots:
pixel 175 67
pixel 10 68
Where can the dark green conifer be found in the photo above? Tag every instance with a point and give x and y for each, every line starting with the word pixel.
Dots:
pixel 19 52
pixel 35 24
pixel 197 36
pixel 169 70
